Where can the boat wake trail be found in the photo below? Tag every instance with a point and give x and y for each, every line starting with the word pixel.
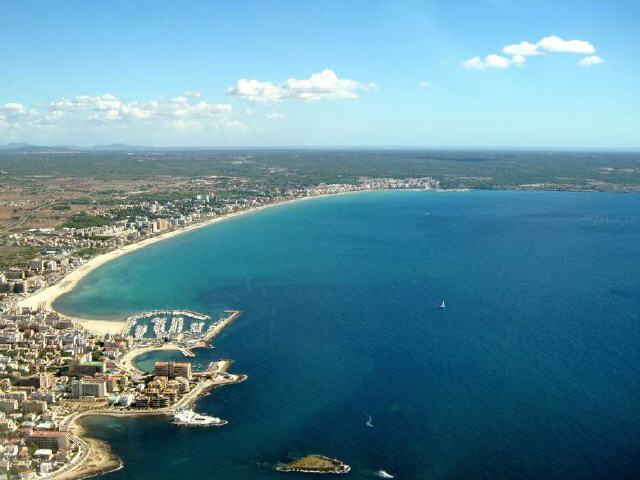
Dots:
pixel 369 422
pixel 384 474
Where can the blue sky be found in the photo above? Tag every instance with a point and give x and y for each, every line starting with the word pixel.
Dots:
pixel 218 73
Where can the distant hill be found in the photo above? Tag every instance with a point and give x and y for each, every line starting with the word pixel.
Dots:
pixel 119 147
pixel 15 146
pixel 113 147
pixel 26 147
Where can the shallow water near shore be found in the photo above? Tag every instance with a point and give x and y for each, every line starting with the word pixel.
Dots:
pixel 532 371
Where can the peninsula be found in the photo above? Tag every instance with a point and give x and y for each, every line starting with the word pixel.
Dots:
pixel 56 372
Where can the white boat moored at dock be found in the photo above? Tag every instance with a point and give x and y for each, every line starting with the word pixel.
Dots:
pixel 192 419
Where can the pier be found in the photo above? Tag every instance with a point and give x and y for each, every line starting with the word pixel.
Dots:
pixel 214 330
pixel 133 319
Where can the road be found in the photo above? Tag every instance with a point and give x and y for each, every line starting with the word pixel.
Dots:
pixel 26 215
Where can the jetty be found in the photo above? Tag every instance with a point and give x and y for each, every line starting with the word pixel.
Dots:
pixel 215 329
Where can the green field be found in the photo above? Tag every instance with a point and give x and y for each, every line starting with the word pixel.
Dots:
pixel 12 256
pixel 283 168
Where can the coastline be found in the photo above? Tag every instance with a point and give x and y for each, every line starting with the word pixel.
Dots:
pixel 48 295
pixel 127 361
pixel 96 457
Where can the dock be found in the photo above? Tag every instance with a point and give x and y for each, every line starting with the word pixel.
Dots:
pixel 133 319
pixel 214 330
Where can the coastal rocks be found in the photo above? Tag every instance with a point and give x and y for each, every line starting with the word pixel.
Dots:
pixel 315 464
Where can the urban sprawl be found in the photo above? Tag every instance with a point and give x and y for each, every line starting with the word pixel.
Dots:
pixel 64 249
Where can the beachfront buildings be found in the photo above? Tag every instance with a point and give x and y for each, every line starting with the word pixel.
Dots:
pixel 66 248
pixel 88 387
pixel 36 348
pixel 173 370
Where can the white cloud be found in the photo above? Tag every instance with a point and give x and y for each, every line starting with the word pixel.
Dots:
pixel 13 109
pixel 425 84
pixel 473 62
pixel 490 61
pixel 556 44
pixel 274 116
pixel 496 61
pixel 522 49
pixel 591 60
pixel 109 108
pixel 519 52
pixel 257 91
pixel 188 111
pixel 83 102
pixel 324 85
pixel 15 115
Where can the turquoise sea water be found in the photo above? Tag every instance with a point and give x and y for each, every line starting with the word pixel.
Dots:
pixel 531 372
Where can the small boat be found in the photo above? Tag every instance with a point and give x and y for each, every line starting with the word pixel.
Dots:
pixel 369 422
pixel 442 304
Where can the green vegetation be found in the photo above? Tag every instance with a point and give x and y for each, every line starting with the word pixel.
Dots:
pixel 287 168
pixel 85 220
pixel 161 197
pixel 81 201
pixel 89 252
pixel 315 463
pixel 16 256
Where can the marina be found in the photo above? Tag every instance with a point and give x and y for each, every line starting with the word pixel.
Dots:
pixel 161 319
pixel 137 325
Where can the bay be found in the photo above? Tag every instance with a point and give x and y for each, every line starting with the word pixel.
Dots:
pixel 531 371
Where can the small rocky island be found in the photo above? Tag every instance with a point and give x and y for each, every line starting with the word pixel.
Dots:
pixel 315 464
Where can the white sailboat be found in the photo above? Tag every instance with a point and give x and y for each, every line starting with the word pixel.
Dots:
pixel 442 304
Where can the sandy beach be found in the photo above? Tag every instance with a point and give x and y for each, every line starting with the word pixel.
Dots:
pixel 96 457
pixel 48 295
pixel 126 362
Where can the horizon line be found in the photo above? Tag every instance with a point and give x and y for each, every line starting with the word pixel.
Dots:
pixel 124 147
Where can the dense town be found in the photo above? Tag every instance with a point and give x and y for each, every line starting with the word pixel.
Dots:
pixel 53 372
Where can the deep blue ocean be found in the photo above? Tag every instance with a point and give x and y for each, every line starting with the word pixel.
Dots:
pixel 531 372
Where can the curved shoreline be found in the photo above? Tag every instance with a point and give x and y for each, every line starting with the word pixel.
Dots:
pixel 127 361
pixel 48 295
pixel 96 457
